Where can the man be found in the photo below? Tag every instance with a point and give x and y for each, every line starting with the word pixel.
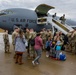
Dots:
pixel 43 36
pixel 62 18
pixel 16 30
pixel 27 36
pixel 6 41
pixel 54 16
pixel 74 42
pixel 32 43
pixel 49 33
pixel 69 44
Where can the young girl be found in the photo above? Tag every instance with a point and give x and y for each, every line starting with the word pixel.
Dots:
pixel 19 47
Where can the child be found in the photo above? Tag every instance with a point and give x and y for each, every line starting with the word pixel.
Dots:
pixel 19 47
pixel 48 45
pixel 52 50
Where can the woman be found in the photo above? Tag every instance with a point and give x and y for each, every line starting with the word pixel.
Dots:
pixel 19 46
pixel 38 48
pixel 58 47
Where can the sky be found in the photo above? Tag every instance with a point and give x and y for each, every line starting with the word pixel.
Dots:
pixel 67 7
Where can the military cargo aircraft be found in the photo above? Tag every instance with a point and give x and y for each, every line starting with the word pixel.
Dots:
pixel 24 18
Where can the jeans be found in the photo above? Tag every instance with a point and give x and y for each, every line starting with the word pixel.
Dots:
pixel 39 52
pixel 57 53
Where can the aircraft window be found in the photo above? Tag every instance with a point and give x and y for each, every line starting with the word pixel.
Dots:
pixel 4 12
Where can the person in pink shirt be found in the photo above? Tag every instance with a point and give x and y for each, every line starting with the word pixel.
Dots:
pixel 38 48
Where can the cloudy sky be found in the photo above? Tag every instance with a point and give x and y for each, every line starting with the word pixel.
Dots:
pixel 67 7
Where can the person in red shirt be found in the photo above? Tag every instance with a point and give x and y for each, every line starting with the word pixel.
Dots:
pixel 38 48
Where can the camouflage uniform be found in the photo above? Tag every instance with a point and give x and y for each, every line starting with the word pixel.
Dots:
pixel 74 42
pixel 43 35
pixel 49 34
pixel 31 47
pixel 13 39
pixel 27 36
pixel 69 45
pixel 62 18
pixel 6 42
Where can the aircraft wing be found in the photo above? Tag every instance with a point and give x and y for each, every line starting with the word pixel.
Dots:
pixel 43 9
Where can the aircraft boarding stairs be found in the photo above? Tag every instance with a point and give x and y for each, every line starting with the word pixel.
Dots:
pixel 61 27
pixel 56 24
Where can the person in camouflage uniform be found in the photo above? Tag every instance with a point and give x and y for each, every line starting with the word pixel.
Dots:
pixel 49 34
pixel 14 34
pixel 74 42
pixel 43 36
pixel 62 18
pixel 6 41
pixel 27 36
pixel 69 44
pixel 32 43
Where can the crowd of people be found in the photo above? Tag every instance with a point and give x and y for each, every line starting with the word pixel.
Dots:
pixel 35 43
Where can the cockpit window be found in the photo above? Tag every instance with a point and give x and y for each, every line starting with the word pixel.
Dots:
pixel 5 12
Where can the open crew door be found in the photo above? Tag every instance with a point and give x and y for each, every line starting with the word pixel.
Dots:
pixel 43 9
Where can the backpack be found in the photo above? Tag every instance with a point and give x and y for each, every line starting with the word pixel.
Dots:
pixel 63 57
pixel 60 18
pixel 32 42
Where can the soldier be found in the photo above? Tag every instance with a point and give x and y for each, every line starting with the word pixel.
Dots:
pixel 74 42
pixel 49 33
pixel 6 41
pixel 14 34
pixel 27 36
pixel 32 43
pixel 43 36
pixel 13 37
pixel 69 44
pixel 62 18
pixel 54 16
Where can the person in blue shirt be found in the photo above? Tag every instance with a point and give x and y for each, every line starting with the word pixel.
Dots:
pixel 58 48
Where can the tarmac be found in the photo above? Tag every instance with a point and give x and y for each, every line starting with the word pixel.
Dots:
pixel 47 66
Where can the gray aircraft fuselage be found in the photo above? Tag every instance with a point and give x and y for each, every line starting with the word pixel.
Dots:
pixel 23 18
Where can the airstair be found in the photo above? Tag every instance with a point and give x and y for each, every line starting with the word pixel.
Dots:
pixel 56 24
pixel 64 28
